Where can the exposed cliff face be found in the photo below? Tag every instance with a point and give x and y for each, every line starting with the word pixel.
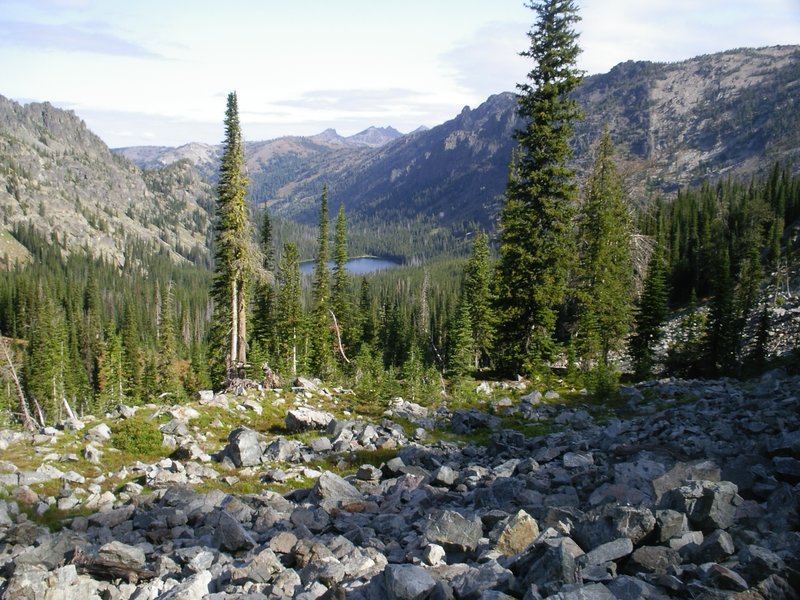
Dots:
pixel 62 179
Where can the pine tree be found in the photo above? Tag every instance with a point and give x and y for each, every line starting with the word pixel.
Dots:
pixel 43 367
pixel 131 355
pixel 605 275
pixel 168 381
pixel 476 295
pixel 290 309
pixel 369 323
pixel 111 379
pixel 232 255
pixel 536 246
pixel 650 316
pixel 340 288
pixel 720 349
pixel 264 331
pixel 461 353
pixel 321 340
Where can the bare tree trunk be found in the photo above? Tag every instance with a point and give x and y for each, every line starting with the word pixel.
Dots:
pixel 25 414
pixel 241 318
pixel 339 337
pixel 234 329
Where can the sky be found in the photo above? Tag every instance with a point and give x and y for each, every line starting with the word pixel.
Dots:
pixel 157 72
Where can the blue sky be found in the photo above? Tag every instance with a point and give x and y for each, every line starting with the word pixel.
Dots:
pixel 157 72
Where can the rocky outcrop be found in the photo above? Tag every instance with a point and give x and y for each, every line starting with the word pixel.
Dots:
pixel 690 492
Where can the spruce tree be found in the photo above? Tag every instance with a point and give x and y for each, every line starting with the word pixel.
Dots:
pixel 536 245
pixel 131 355
pixel 721 335
pixel 650 315
pixel 290 309
pixel 340 287
pixel 321 340
pixel 232 256
pixel 264 302
pixel 605 274
pixel 477 297
pixel 167 351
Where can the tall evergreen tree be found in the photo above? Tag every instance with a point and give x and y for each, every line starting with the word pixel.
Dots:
pixel 476 295
pixel 536 245
pixel 650 316
pixel 167 352
pixel 111 378
pixel 605 274
pixel 232 255
pixel 264 303
pixel 720 348
pixel 131 355
pixel 340 287
pixel 321 340
pixel 289 308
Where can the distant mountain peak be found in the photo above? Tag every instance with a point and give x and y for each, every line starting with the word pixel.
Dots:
pixel 329 136
pixel 374 137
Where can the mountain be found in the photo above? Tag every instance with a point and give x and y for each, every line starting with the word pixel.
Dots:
pixel 673 124
pixel 60 179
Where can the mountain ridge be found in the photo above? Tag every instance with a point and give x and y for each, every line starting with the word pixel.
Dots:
pixel 672 123
pixel 731 113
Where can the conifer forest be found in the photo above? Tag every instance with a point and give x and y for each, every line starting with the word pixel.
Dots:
pixel 576 279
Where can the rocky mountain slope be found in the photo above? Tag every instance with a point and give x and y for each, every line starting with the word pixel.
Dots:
pixel 61 179
pixel 687 490
pixel 729 113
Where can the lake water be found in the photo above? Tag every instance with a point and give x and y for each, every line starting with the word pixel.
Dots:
pixel 355 266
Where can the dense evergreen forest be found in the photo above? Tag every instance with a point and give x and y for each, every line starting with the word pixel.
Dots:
pixel 575 281
pixel 98 335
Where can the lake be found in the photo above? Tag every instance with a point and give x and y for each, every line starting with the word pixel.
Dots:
pixel 355 266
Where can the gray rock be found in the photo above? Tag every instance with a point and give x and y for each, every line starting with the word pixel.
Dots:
pixel 611 522
pixel 99 433
pixel 466 421
pixel 116 551
pixel 369 473
pixel 333 492
pixel 305 418
pixel 670 524
pixel 407 582
pixel 578 460
pixel 489 576
pixel 244 447
pixel 787 468
pixel 625 587
pixel 282 450
pixel 444 475
pixel 653 559
pixel 553 565
pixel 594 591
pixel 607 552
pixel 716 547
pixel 453 531
pixel 229 533
pixel 195 587
pixel 707 504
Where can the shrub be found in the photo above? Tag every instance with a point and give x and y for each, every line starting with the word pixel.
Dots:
pixel 137 436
